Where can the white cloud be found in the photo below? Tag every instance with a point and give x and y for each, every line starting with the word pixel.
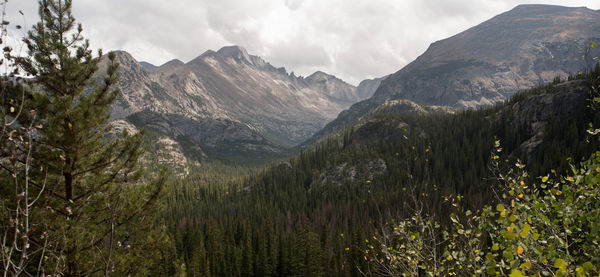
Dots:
pixel 353 39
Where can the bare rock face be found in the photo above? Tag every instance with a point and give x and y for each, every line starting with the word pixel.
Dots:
pixel 163 150
pixel 516 50
pixel 535 111
pixel 367 87
pixel 345 173
pixel 400 106
pixel 170 153
pixel 335 88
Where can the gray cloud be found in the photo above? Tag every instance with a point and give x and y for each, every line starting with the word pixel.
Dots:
pixel 352 39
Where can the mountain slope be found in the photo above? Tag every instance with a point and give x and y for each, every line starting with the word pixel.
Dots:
pixel 241 93
pixel 516 50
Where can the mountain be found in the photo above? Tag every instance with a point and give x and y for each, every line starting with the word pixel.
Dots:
pixel 148 66
pixel 230 98
pixel 486 64
pixel 515 50
pixel 341 91
pixel 367 87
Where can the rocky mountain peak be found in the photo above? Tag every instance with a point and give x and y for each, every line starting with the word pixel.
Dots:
pixel 320 75
pixel 148 66
pixel 124 58
pixel 174 63
pixel 236 52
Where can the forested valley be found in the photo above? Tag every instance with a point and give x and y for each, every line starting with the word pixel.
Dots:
pixel 406 189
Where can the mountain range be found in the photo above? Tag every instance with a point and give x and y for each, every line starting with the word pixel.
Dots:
pixel 229 103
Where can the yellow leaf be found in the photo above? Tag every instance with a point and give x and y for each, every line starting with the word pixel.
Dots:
pixel 545 179
pixel 522 183
pixel 593 44
pixel 520 250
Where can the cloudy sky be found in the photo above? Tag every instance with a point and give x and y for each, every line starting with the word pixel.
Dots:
pixel 352 39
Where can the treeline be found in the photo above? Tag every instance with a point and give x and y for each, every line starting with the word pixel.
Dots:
pixel 315 214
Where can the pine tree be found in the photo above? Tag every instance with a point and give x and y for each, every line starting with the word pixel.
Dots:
pixel 98 214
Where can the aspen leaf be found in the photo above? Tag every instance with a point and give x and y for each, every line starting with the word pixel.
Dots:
pixel 516 273
pixel 520 250
pixel 560 264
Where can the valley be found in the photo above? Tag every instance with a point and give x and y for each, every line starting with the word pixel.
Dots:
pixel 478 158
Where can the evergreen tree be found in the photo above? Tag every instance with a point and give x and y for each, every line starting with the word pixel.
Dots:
pixel 97 214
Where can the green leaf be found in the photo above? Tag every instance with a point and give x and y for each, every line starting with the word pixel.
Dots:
pixel 516 273
pixel 495 247
pixel 525 231
pixel 500 207
pixel 560 264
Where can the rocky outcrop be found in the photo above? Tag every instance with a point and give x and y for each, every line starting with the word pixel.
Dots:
pixel 159 150
pixel 346 173
pixel 170 153
pixel 400 106
pixel 536 110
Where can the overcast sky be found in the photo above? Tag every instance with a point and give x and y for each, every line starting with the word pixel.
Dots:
pixel 352 39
